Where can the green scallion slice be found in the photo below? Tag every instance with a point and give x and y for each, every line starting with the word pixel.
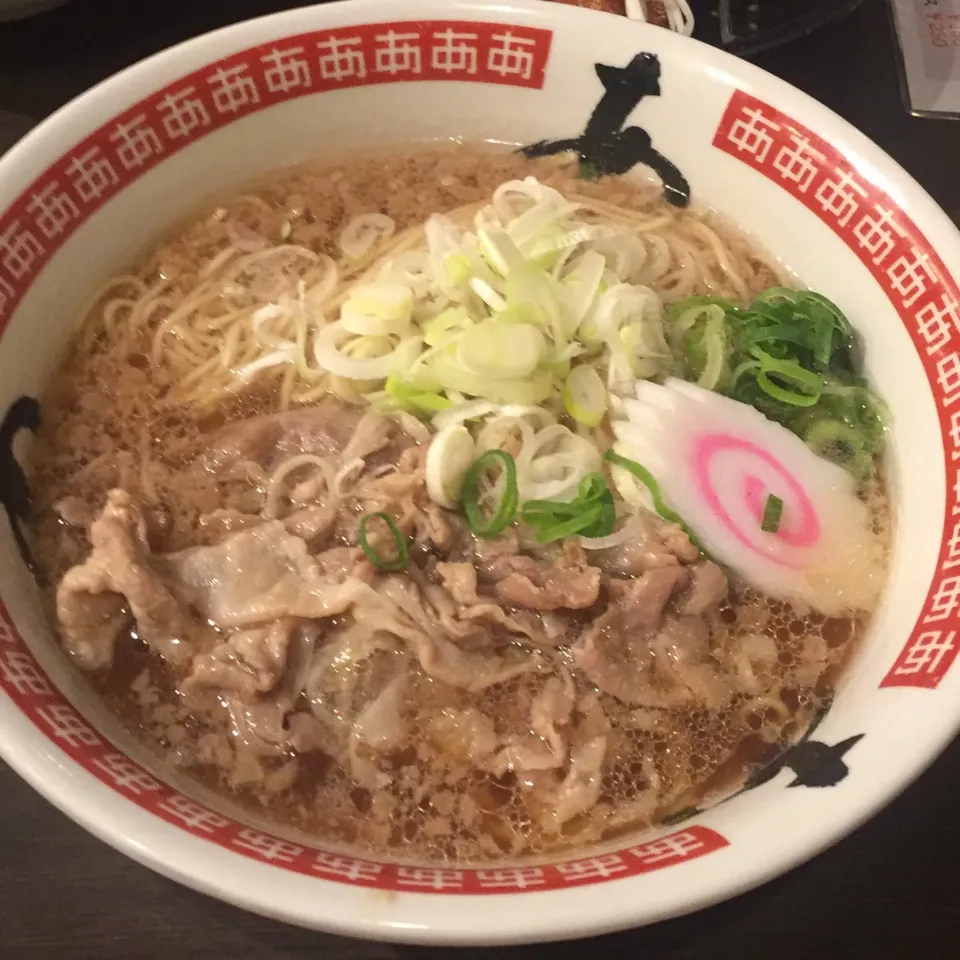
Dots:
pixel 506 509
pixel 591 513
pixel 772 512
pixel 649 481
pixel 401 558
pixel 787 372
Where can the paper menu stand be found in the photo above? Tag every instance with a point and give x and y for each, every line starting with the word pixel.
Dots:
pixel 929 37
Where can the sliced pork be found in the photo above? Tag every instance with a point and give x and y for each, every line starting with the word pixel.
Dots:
pixel 708 586
pixel 580 789
pixel 641 602
pixel 404 615
pixel 651 543
pixel 260 718
pixel 257 575
pixel 537 585
pixel 543 747
pixel 460 580
pixel 268 440
pixel 97 599
pixel 248 662
pixel 644 652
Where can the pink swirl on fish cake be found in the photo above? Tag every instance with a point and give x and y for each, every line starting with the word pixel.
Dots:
pixel 799 527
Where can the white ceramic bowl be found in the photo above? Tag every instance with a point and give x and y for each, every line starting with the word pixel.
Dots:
pixel 99 179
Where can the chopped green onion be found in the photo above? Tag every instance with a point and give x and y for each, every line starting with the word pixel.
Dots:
pixel 384 563
pixel 841 444
pixel 790 372
pixel 607 518
pixel 792 355
pixel 567 528
pixel 506 510
pixel 649 481
pixel 536 512
pixel 420 400
pixel 772 512
pixel 592 487
pixel 591 513
pixel 699 337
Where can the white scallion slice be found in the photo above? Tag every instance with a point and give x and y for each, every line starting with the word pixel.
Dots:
pixel 500 350
pixel 450 454
pixel 456 268
pixel 362 233
pixel 499 250
pixel 471 410
pixel 487 294
pixel 540 220
pixel 446 370
pixel 438 330
pixel 329 352
pixel 585 396
pixel 581 286
pixel 378 310
pixel 532 296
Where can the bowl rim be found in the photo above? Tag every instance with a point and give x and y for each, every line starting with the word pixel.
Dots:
pixel 356 912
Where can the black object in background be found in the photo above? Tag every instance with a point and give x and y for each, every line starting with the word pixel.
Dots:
pixel 747 27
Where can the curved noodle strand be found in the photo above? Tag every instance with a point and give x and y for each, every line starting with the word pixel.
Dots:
pixel 275 484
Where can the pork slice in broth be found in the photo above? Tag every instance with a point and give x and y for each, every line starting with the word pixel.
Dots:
pixel 270 439
pixel 256 576
pixel 260 719
pixel 544 745
pixel 571 584
pixel 643 653
pixel 708 587
pixel 649 543
pixel 249 662
pixel 97 599
pixel 408 617
pixel 460 583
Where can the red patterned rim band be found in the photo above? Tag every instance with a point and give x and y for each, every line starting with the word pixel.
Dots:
pixel 923 293
pixel 48 212
pixel 109 160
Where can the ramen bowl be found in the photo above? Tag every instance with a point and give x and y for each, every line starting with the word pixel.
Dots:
pixel 113 169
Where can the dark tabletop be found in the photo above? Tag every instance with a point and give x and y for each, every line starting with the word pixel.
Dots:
pixel 890 891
